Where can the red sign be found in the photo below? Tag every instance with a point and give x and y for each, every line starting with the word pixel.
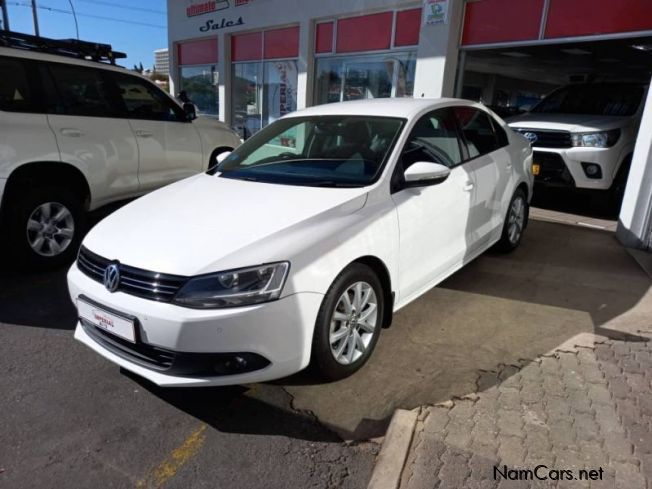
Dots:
pixel 202 8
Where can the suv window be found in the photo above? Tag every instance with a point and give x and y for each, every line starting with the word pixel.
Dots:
pixel 434 138
pixel 82 91
pixel 15 95
pixel 478 131
pixel 145 101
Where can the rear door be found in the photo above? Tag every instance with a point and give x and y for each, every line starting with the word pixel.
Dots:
pixel 169 145
pixel 91 130
pixel 488 165
pixel 25 135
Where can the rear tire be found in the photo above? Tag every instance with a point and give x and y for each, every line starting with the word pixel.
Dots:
pixel 44 226
pixel 515 222
pixel 349 323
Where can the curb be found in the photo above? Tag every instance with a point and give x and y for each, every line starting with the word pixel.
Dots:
pixel 396 445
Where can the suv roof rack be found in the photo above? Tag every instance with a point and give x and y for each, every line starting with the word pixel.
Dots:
pixel 73 48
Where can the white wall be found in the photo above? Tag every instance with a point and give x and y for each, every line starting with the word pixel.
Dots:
pixel 635 223
pixel 437 50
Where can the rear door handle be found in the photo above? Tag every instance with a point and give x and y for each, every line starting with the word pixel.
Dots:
pixel 469 186
pixel 509 166
pixel 72 133
pixel 144 134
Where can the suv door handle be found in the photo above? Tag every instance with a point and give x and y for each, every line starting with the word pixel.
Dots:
pixel 144 134
pixel 469 186
pixel 72 133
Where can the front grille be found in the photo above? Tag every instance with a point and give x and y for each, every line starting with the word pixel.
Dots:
pixel 134 281
pixel 553 170
pixel 549 139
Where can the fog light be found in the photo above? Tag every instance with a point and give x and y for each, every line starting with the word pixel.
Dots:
pixel 239 363
pixel 592 170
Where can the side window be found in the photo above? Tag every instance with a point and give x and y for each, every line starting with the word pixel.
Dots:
pixel 15 94
pixel 478 131
pixel 501 135
pixel 145 101
pixel 434 138
pixel 82 92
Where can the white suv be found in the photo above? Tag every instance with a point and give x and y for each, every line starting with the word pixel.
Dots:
pixel 584 135
pixel 76 135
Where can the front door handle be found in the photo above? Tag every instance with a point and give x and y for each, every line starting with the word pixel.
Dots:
pixel 469 186
pixel 72 133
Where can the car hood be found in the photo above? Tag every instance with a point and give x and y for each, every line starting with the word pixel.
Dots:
pixel 207 223
pixel 566 122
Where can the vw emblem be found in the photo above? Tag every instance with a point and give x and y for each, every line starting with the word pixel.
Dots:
pixel 112 277
pixel 531 136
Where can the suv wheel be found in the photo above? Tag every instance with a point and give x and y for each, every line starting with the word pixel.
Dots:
pixel 349 323
pixel 45 227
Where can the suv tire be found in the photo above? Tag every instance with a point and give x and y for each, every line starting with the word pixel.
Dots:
pixel 45 226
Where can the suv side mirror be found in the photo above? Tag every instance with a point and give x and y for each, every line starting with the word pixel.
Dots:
pixel 190 111
pixel 425 173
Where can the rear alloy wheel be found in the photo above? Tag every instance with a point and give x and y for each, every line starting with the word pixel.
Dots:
pixel 349 323
pixel 45 227
pixel 515 222
pixel 50 229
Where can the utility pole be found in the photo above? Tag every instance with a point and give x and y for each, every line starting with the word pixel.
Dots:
pixel 5 15
pixel 36 30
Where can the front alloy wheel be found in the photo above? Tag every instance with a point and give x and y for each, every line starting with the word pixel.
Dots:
pixel 349 322
pixel 353 323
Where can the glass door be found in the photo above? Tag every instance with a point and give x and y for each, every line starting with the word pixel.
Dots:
pixel 247 97
pixel 201 86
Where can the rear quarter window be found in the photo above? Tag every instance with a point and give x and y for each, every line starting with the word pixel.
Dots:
pixel 15 92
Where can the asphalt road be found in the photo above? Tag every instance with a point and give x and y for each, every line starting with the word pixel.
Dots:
pixel 71 419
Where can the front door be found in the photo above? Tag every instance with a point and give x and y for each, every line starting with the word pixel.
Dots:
pixel 169 146
pixel 435 221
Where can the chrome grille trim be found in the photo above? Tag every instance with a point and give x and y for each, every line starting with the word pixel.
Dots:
pixel 134 281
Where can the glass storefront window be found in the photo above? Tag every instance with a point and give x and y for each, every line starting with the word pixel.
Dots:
pixel 262 93
pixel 201 85
pixel 365 76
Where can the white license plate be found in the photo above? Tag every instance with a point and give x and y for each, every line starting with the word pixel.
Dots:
pixel 103 319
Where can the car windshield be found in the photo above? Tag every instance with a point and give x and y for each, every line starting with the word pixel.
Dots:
pixel 319 151
pixel 593 99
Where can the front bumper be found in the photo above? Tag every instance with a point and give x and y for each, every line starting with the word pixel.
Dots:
pixel 563 167
pixel 279 332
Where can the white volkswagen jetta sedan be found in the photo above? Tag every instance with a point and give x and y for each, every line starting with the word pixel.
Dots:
pixel 300 245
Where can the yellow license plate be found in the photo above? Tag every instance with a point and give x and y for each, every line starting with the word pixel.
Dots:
pixel 536 169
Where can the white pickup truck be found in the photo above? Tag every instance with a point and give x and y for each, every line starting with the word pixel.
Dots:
pixel 584 135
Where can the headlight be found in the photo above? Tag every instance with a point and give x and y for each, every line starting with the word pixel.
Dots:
pixel 604 139
pixel 233 288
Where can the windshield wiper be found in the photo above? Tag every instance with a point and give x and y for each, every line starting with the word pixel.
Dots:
pixel 331 183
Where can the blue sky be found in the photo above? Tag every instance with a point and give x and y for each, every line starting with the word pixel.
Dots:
pixel 136 28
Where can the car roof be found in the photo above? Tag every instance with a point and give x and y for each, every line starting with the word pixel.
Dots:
pixel 384 107
pixel 55 58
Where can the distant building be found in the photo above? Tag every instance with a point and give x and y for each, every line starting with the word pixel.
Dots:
pixel 162 61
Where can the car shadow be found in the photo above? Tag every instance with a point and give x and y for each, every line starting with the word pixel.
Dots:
pixel 589 203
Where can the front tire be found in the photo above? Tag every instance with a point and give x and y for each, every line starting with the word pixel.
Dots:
pixel 515 222
pixel 349 323
pixel 45 226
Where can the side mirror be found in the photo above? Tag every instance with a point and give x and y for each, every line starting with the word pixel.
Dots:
pixel 222 156
pixel 190 111
pixel 424 174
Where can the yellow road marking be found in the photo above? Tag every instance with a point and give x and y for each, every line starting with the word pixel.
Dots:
pixel 177 459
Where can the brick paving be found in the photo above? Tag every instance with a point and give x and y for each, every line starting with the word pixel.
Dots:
pixel 587 409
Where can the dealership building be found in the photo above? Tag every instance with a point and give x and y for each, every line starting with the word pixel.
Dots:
pixel 249 62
